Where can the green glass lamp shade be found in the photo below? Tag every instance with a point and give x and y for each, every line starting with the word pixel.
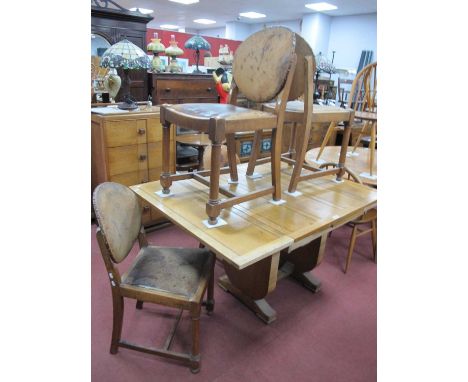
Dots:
pixel 126 55
pixel 197 43
pixel 155 45
pixel 174 50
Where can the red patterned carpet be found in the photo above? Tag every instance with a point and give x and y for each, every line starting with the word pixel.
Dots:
pixel 330 336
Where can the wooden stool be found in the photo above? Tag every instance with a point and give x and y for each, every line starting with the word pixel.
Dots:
pixel 263 67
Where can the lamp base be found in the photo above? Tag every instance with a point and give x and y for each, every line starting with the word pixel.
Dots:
pixel 197 71
pixel 127 104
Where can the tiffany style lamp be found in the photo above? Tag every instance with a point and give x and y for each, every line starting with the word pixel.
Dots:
pixel 127 56
pixel 197 43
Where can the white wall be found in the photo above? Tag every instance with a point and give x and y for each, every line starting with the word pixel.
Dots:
pixel 316 31
pixel 237 31
pixel 213 32
pixel 294 25
pixel 349 35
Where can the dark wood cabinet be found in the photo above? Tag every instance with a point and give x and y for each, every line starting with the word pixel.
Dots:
pixel 182 88
pixel 117 24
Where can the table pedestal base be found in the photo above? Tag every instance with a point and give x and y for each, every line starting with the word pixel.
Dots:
pixel 252 284
pixel 308 280
pixel 260 307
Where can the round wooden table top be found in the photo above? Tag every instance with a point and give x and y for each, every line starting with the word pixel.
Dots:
pixel 194 139
pixel 359 163
pixel 366 115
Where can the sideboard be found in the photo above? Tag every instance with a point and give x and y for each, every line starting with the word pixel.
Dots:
pixel 126 148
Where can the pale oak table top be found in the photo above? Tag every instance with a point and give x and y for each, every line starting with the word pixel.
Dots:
pixel 258 229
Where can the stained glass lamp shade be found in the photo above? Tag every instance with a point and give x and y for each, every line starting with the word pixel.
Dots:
pixel 197 43
pixel 127 56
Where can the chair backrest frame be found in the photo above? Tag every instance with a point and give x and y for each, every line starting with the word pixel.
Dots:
pixel 118 213
pixel 362 96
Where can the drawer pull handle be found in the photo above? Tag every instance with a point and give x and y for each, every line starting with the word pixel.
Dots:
pixel 142 157
pixel 146 208
pixel 141 131
pixel 168 90
pixel 209 89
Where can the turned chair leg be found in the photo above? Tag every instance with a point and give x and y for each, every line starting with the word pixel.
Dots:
pixel 210 293
pixel 195 355
pixel 351 248
pixel 231 153
pixel 118 307
pixel 254 153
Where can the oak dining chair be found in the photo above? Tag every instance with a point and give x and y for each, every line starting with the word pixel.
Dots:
pixel 173 277
pixel 263 67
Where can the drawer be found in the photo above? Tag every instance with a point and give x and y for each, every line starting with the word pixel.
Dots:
pixel 185 89
pixel 127 132
pixel 154 130
pixel 126 159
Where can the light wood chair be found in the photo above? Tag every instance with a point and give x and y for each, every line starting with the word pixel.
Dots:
pixel 174 277
pixel 369 217
pixel 363 99
pixel 263 67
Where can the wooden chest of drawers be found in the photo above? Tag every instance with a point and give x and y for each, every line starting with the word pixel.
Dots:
pixel 182 88
pixel 126 148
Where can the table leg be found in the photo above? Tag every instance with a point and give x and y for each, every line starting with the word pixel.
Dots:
pixel 299 262
pixel 252 284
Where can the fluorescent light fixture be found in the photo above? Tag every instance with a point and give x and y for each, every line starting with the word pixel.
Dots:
pixel 204 21
pixel 142 10
pixel 252 15
pixel 320 7
pixel 186 2
pixel 169 26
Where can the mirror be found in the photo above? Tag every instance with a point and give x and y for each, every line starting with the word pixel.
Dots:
pixel 98 45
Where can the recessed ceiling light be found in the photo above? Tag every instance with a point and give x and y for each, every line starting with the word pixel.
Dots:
pixel 186 2
pixel 204 21
pixel 252 15
pixel 319 7
pixel 169 26
pixel 142 10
